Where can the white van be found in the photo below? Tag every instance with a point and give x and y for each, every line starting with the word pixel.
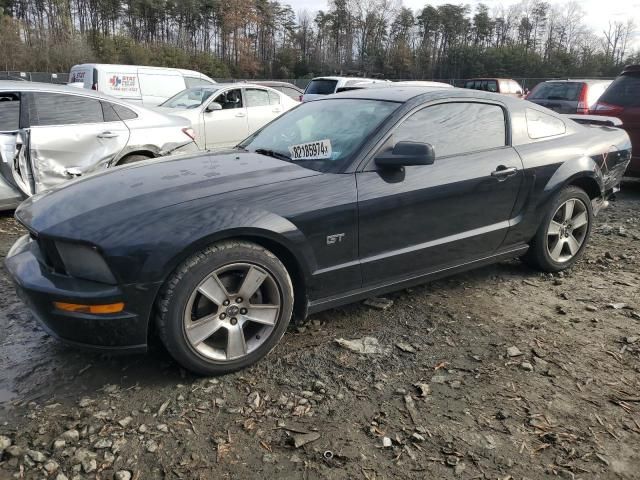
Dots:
pixel 133 83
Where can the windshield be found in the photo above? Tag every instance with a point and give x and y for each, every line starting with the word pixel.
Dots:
pixel 568 91
pixel 321 86
pixel 321 135
pixel 190 98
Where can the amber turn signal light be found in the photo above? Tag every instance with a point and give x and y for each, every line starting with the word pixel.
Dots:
pixel 97 309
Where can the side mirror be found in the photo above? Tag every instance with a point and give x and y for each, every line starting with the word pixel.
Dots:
pixel 212 107
pixel 405 154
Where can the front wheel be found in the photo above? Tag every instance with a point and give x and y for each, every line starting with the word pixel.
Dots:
pixel 225 308
pixel 564 232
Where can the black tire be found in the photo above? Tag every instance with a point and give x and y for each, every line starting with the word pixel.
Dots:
pixel 538 255
pixel 133 159
pixel 175 294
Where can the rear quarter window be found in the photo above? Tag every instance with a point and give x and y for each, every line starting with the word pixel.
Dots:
pixel 321 87
pixel 624 91
pixel 541 125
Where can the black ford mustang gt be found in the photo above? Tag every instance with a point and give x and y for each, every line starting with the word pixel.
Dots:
pixel 339 199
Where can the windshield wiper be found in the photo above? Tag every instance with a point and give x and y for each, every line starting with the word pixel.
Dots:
pixel 273 153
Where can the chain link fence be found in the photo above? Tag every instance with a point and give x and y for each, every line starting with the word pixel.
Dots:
pixel 45 77
pixel 62 78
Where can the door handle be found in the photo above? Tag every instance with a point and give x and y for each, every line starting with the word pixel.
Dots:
pixel 241 114
pixel 108 135
pixel 276 110
pixel 503 172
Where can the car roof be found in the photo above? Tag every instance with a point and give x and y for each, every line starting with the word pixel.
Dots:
pixel 631 69
pixel 342 78
pixel 406 93
pixel 268 83
pixel 52 87
pixel 579 80
pixel 218 86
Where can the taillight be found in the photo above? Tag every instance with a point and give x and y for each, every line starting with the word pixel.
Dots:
pixel 602 108
pixel 94 87
pixel 189 133
pixel 300 98
pixel 583 106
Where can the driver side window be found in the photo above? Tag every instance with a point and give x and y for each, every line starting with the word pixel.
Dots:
pixel 230 99
pixel 455 128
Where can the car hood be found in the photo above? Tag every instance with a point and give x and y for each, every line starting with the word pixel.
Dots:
pixel 101 201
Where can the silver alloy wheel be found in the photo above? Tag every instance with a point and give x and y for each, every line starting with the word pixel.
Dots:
pixel 567 230
pixel 232 311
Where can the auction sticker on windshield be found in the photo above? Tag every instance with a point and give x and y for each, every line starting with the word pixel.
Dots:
pixel 318 150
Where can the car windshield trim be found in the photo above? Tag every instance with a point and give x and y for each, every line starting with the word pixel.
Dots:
pixel 323 135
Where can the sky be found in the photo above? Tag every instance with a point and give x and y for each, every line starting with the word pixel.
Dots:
pixel 598 12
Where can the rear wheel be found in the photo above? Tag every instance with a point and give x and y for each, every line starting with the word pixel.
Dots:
pixel 564 232
pixel 225 308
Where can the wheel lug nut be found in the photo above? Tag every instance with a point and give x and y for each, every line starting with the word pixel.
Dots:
pixel 239 300
pixel 225 303
pixel 243 311
pixel 223 316
pixel 234 320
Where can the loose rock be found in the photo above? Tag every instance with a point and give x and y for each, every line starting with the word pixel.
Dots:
pixel 405 347
pixel 513 352
pixel 70 436
pixel 122 475
pixel 379 303
pixel 5 442
pixel 301 439
pixel 365 345
pixel 36 456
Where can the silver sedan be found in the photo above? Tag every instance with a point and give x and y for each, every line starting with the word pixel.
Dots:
pixel 50 134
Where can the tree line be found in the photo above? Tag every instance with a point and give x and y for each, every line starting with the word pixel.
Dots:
pixel 267 39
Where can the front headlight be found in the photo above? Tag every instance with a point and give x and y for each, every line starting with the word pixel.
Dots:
pixel 84 261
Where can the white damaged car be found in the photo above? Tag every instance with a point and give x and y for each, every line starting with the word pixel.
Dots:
pixel 52 133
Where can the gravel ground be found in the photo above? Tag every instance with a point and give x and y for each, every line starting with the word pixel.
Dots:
pixel 502 372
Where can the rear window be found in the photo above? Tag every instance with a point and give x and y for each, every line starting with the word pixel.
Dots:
pixel 256 97
pixel 484 85
pixel 624 91
pixel 542 125
pixel 566 91
pixel 9 112
pixel 321 87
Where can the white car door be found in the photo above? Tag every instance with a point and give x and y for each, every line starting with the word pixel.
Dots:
pixel 11 148
pixel 227 126
pixel 70 136
pixel 262 106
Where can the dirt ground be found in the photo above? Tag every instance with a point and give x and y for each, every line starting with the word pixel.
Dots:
pixel 446 396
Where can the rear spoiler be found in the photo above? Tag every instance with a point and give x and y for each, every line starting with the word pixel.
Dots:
pixel 598 120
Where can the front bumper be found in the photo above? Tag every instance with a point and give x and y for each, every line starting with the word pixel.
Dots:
pixel 38 286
